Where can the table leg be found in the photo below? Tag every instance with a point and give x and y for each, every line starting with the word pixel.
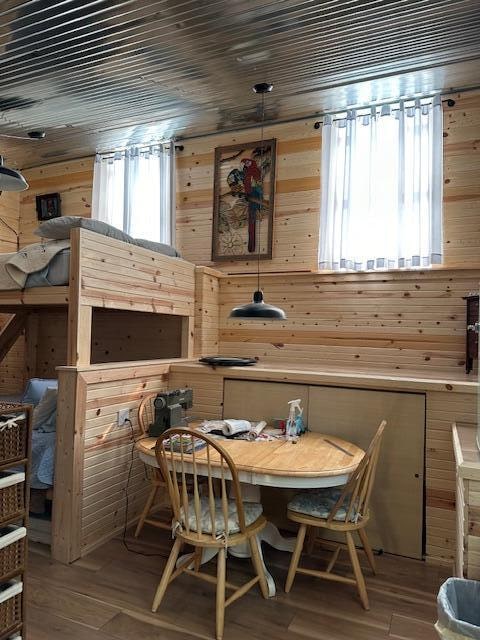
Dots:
pixel 272 536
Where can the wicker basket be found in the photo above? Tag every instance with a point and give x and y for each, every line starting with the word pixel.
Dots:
pixel 10 607
pixel 13 440
pixel 12 495
pixel 12 551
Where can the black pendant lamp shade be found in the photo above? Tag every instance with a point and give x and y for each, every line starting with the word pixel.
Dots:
pixel 258 309
pixel 10 179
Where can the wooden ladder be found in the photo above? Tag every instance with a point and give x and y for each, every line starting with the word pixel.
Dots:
pixel 11 332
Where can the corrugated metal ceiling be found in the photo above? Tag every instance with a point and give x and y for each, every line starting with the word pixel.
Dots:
pixel 98 74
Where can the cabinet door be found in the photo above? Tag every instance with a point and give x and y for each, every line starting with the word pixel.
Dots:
pixel 396 524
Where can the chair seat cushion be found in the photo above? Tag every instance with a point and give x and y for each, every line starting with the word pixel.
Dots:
pixel 252 511
pixel 319 504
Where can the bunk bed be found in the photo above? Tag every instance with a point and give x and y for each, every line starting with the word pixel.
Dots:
pixel 105 275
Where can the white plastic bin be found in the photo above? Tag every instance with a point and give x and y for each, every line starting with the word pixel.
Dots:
pixel 458 604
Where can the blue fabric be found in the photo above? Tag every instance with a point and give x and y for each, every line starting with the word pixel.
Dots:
pixel 35 389
pixel 56 273
pixel 38 278
pixel 43 460
pixel 319 504
pixel 50 424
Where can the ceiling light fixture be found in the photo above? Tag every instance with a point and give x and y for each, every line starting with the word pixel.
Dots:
pixel 11 179
pixel 259 309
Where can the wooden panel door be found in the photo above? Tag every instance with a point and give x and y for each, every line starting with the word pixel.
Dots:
pixel 397 519
pixel 255 400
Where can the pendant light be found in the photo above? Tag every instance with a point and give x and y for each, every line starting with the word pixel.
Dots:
pixel 259 309
pixel 10 179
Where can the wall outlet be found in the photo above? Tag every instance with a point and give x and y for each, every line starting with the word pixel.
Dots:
pixel 122 416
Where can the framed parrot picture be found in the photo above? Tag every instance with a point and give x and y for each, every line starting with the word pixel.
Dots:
pixel 244 197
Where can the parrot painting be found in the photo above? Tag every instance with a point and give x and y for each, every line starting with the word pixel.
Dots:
pixel 253 189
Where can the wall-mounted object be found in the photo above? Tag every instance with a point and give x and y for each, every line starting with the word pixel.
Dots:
pixel 471 344
pixel 243 201
pixel 48 206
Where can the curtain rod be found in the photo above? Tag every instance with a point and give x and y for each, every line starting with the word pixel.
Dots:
pixel 318 123
pixel 112 152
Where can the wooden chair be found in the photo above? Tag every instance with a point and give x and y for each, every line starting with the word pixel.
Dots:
pixel 146 415
pixel 339 509
pixel 208 521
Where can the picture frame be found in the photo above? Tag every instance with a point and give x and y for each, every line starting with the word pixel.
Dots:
pixel 48 206
pixel 244 201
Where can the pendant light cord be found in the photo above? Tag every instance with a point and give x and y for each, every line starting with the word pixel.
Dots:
pixel 261 199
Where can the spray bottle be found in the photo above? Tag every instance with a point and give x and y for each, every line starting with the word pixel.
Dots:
pixel 295 426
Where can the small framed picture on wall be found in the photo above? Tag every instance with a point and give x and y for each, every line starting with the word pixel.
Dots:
pixel 244 194
pixel 48 206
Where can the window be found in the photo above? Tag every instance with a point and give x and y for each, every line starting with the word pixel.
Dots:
pixel 382 188
pixel 132 191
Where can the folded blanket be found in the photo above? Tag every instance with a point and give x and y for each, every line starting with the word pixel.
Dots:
pixel 16 267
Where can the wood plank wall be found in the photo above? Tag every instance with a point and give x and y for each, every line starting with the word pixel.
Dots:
pixel 73 180
pixel 442 410
pixel 398 321
pixel 108 459
pixel 207 289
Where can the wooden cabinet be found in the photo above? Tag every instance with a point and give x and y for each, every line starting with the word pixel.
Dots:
pixel 467 459
pixel 397 524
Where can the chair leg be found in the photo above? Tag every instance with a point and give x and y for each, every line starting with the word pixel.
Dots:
pixel 258 565
pixel 295 557
pixel 368 549
pixel 360 580
pixel 312 535
pixel 167 572
pixel 197 558
pixel 146 510
pixel 220 606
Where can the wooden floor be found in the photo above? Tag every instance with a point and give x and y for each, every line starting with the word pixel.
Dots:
pixel 108 596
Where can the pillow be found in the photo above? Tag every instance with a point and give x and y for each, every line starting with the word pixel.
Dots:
pixel 42 414
pixel 159 247
pixel 59 228
pixel 35 389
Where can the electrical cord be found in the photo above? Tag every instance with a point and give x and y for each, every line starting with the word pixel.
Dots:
pixel 125 524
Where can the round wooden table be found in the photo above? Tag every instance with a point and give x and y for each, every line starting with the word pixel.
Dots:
pixel 314 461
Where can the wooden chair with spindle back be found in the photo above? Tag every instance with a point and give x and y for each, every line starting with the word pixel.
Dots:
pixel 212 520
pixel 146 416
pixel 344 509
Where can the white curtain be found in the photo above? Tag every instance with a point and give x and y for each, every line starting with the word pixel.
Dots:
pixel 382 188
pixel 132 190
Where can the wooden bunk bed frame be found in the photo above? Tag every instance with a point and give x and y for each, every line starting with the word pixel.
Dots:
pixel 109 274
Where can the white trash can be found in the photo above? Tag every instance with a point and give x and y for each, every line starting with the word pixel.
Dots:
pixel 458 604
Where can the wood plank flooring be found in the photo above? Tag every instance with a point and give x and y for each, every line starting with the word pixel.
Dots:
pixel 108 594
